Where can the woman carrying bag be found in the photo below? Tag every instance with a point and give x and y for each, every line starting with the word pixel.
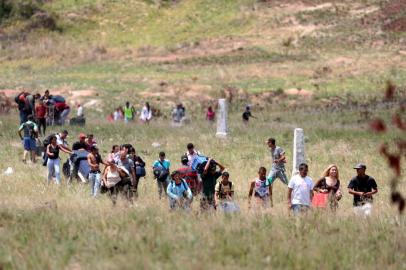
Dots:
pixel 327 189
pixel 140 171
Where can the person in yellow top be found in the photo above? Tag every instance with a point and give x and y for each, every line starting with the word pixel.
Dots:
pixel 129 112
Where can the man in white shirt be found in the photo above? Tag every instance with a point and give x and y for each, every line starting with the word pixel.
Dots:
pixel 80 112
pixel 191 153
pixel 300 191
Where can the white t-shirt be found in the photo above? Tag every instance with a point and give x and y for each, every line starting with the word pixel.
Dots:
pixel 191 157
pixel 145 114
pixel 60 141
pixel 80 111
pixel 301 189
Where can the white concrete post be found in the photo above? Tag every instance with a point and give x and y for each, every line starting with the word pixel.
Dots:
pixel 222 121
pixel 298 150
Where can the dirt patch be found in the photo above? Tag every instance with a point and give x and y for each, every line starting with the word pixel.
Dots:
pixel 298 92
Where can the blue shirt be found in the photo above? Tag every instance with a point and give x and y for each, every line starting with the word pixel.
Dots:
pixel 158 162
pixel 175 191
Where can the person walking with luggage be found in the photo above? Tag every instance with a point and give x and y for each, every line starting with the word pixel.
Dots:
pixel 362 187
pixel 179 194
pixel 53 163
pixel 161 169
pixel 126 166
pixel 139 166
pixel 209 179
pixel 30 130
pixel 189 175
pixel 328 188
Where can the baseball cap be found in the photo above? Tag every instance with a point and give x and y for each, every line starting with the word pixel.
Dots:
pixel 82 135
pixel 360 166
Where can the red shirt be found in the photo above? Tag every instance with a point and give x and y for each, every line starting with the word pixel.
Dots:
pixel 210 115
pixel 41 111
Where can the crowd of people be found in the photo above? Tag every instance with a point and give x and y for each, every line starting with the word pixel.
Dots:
pixel 196 176
pixel 46 109
pixel 128 114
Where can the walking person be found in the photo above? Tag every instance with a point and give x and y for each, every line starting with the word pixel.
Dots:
pixel 209 179
pixel 139 166
pixel 146 113
pixel 278 163
pixel 191 153
pixel 126 167
pixel 53 163
pixel 210 114
pixel 161 169
pixel 327 188
pixel 30 130
pixel 224 195
pixel 129 113
pixel 179 194
pixel 40 114
pixel 362 187
pixel 94 159
pixel 111 177
pixel 190 176
pixel 246 115
pixel 20 99
pixel 262 191
pixel 114 154
pixel 300 191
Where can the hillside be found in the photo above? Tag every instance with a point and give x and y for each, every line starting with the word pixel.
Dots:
pixel 146 50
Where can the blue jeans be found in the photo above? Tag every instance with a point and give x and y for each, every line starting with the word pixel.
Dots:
pixel 54 169
pixel 23 116
pixel 95 182
pixel 298 209
pixel 273 174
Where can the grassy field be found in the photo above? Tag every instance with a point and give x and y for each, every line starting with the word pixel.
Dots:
pixel 49 227
pixel 341 53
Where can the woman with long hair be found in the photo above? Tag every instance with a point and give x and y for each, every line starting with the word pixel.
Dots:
pixel 146 113
pixel 329 183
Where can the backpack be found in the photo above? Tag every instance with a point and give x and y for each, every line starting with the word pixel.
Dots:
pixel 161 173
pixel 17 98
pixel 198 163
pixel 230 185
pixel 66 168
pixel 47 140
pixel 21 104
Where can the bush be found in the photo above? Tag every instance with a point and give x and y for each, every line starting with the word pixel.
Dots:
pixel 22 9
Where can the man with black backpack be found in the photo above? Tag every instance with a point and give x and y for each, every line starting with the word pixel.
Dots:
pixel 161 173
pixel 30 134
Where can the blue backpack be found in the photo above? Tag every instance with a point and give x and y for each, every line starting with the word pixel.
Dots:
pixel 198 164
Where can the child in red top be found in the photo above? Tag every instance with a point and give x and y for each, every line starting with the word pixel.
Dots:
pixel 40 114
pixel 210 114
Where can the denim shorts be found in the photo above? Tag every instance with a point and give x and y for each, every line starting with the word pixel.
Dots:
pixel 29 144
